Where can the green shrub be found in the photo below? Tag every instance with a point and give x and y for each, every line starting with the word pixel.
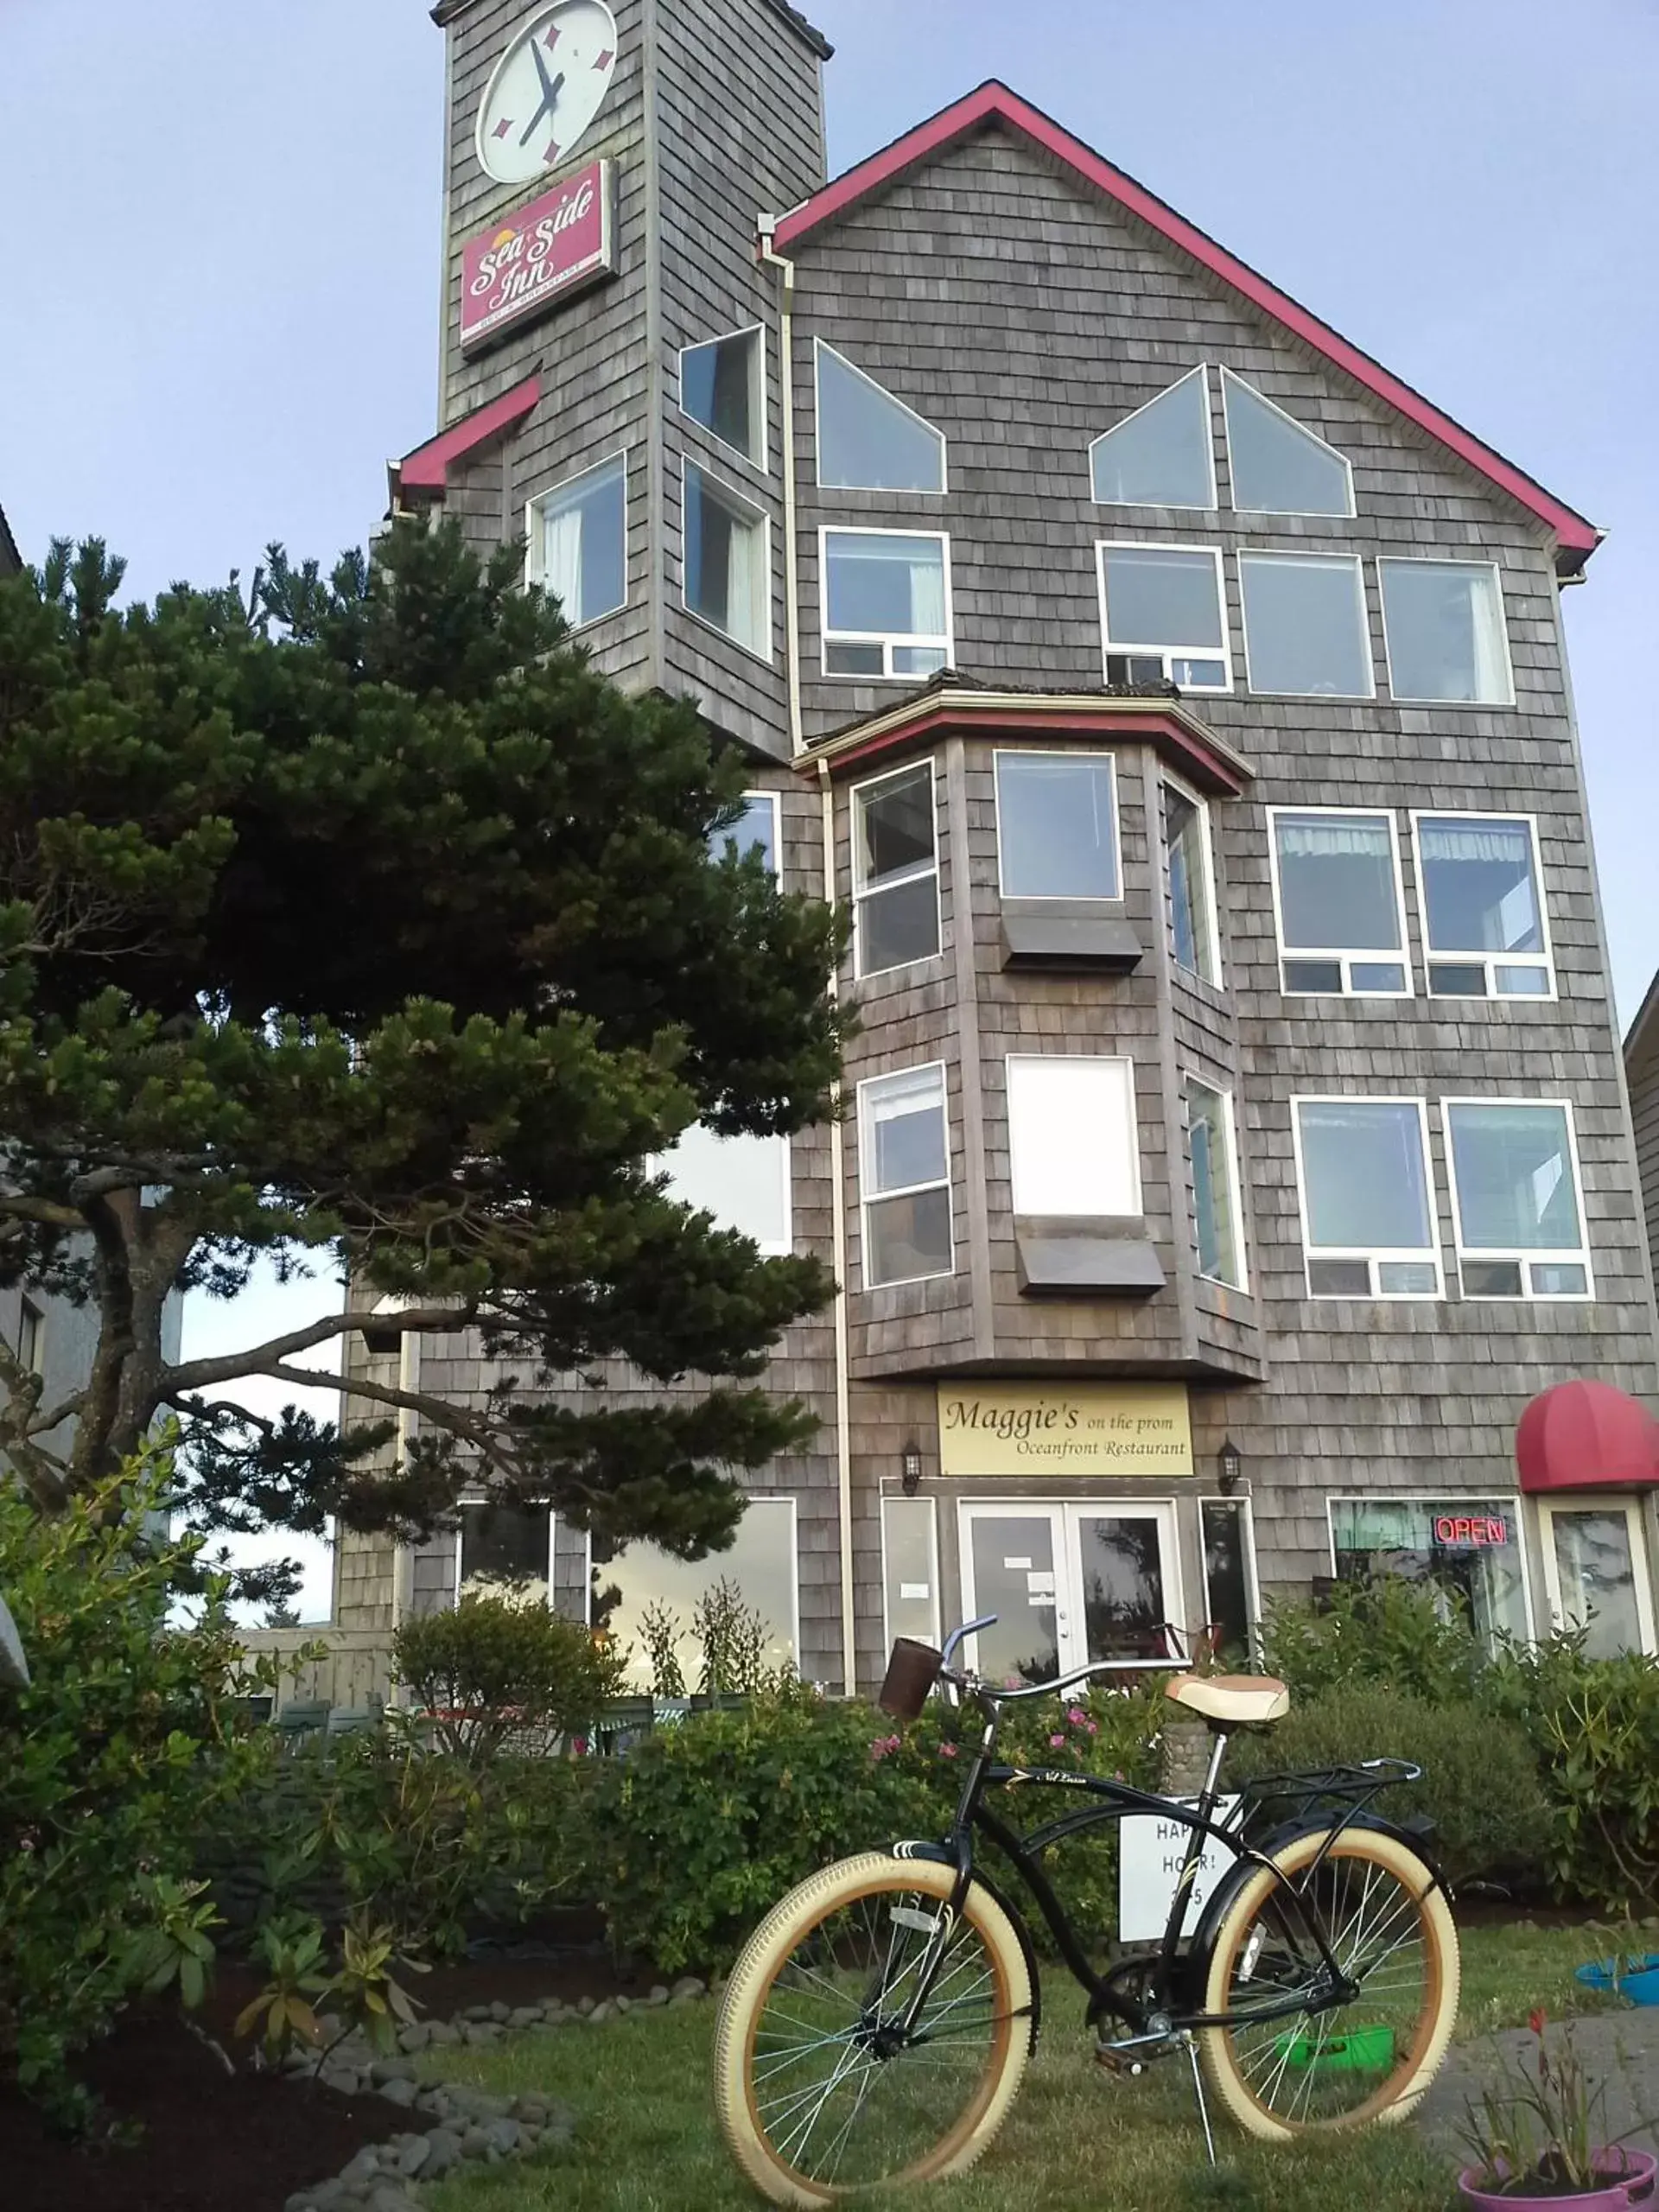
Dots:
pixel 494 1670
pixel 1480 1786
pixel 1383 1631
pixel 704 1827
pixel 125 1740
pixel 1595 1724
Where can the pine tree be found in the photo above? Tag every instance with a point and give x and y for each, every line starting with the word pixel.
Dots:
pixel 362 925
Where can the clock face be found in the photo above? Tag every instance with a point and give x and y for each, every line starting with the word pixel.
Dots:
pixel 547 88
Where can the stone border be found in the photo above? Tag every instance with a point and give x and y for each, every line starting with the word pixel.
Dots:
pixel 468 2124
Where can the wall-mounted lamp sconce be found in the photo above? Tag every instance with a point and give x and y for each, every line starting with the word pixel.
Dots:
pixel 911 1460
pixel 1229 1467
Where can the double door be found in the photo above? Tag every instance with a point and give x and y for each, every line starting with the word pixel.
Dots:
pixel 1070 1584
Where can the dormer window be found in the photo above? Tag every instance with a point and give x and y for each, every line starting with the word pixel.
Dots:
pixel 723 386
pixel 1162 456
pixel 1279 466
pixel 867 440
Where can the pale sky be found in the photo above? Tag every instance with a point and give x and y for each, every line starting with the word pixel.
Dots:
pixel 219 258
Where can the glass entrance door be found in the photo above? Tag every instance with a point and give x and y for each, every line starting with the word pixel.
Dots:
pixel 1069 1584
pixel 1596 1572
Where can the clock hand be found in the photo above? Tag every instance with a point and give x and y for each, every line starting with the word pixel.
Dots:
pixel 548 88
pixel 549 103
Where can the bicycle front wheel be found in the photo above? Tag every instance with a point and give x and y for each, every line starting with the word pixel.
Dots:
pixel 1367 2060
pixel 823 2083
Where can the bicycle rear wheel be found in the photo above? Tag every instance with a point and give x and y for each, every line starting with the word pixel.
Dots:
pixel 820 2088
pixel 1353 2065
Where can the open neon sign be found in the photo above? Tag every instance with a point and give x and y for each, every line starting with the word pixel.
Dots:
pixel 1467 1531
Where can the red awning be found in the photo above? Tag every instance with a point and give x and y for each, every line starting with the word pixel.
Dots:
pixel 1586 1435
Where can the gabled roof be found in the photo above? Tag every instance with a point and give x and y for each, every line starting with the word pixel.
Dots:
pixel 424 473
pixel 993 104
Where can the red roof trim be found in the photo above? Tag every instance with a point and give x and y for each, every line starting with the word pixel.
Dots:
pixel 994 103
pixel 960 716
pixel 427 469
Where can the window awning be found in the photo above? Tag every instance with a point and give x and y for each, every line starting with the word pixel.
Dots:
pixel 1586 1435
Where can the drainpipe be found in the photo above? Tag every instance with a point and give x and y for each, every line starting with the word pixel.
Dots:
pixel 785 268
pixel 838 1232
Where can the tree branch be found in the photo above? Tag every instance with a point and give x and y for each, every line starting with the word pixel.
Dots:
pixel 193 1375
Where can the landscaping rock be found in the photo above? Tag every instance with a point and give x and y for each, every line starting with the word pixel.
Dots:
pixel 364 2167
pixel 658 1995
pixel 688 1985
pixel 477 2013
pixel 434 2100
pixel 414 2037
pixel 392 2069
pixel 500 2012
pixel 623 2003
pixel 600 2013
pixel 584 2005
pixel 442 2151
pixel 399 2091
pixel 442 2031
pixel 389 2198
pixel 525 2016
pixel 414 2155
pixel 475 2144
pixel 346 2079
pixel 503 2135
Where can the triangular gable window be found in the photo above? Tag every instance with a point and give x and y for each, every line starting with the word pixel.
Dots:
pixel 1279 467
pixel 1161 455
pixel 867 440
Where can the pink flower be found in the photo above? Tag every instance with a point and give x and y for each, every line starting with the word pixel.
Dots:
pixel 1093 1726
pixel 947 1750
pixel 1057 1742
pixel 882 1746
pixel 1077 1717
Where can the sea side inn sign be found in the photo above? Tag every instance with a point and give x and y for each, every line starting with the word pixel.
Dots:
pixel 539 256
pixel 1081 1428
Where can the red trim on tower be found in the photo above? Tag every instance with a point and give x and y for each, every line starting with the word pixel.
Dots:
pixel 427 469
pixel 994 103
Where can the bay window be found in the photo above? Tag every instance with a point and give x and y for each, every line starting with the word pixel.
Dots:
pixel 896 870
pixel 1213 1157
pixel 1515 1199
pixel 1072 1148
pixel 904 1176
pixel 1057 825
pixel 1191 889
pixel 1368 1212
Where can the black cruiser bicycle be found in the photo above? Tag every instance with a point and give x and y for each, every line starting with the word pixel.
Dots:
pixel 878 2025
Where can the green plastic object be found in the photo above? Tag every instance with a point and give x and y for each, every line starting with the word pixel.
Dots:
pixel 1367 2050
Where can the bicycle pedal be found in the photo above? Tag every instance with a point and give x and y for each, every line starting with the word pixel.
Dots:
pixel 1118 2063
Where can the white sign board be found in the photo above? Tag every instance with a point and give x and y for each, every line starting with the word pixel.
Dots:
pixel 1151 1852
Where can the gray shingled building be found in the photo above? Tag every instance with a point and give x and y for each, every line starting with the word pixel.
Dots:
pixel 1236 1141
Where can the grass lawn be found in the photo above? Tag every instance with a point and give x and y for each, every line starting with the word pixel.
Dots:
pixel 646 2140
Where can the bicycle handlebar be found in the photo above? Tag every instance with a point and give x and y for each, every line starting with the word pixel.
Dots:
pixel 976 1686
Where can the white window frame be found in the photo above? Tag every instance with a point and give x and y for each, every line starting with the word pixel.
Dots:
pixel 754 1498
pixel 1207 857
pixel 887 640
pixel 1010 1061
pixel 535 566
pixel 1444 561
pixel 861 891
pixel 1071 1624
pixel 772 800
pixel 1110 645
pixel 1093 755
pixel 923 1498
pixel 867 1196
pixel 1228 376
pixel 477 1497
pixel 1354 563
pixel 757 395
pixel 1438 1497
pixel 820 347
pixel 770 1248
pixel 1347 960
pixel 1244 1503
pixel 1635 1522
pixel 1527 1258
pixel 689 461
pixel 1373 1258
pixel 1230 1136
pixel 1174 507
pixel 1543 962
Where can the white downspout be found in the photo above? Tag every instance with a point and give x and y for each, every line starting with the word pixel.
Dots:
pixel 785 268
pixel 838 1235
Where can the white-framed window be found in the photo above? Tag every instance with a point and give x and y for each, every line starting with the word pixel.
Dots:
pixel 1480 881
pixel 727 579
pixel 723 387
pixel 1338 902
pixel 1163 456
pixel 1278 466
pixel 1596 1572
pixel 755 829
pixel 1073 1148
pixel 1195 938
pixel 1470 1551
pixel 904 1176
pixel 624 1581
pixel 868 440
pixel 887 602
pixel 896 917
pixel 31 1336
pixel 1444 631
pixel 503 1549
pixel 1516 1198
pixel 743 1181
pixel 1232 1592
pixel 577 542
pixel 1305 633
pixel 910 1569
pixel 1163 617
pixel 1057 825
pixel 1212 1154
pixel 1366 1199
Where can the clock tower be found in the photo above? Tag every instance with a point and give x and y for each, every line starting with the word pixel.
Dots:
pixel 610 378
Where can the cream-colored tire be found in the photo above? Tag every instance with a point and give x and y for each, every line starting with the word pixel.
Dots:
pixel 1392 1926
pixel 765 2085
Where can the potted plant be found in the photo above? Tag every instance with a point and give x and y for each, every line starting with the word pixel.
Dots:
pixel 1631 1973
pixel 1537 2139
